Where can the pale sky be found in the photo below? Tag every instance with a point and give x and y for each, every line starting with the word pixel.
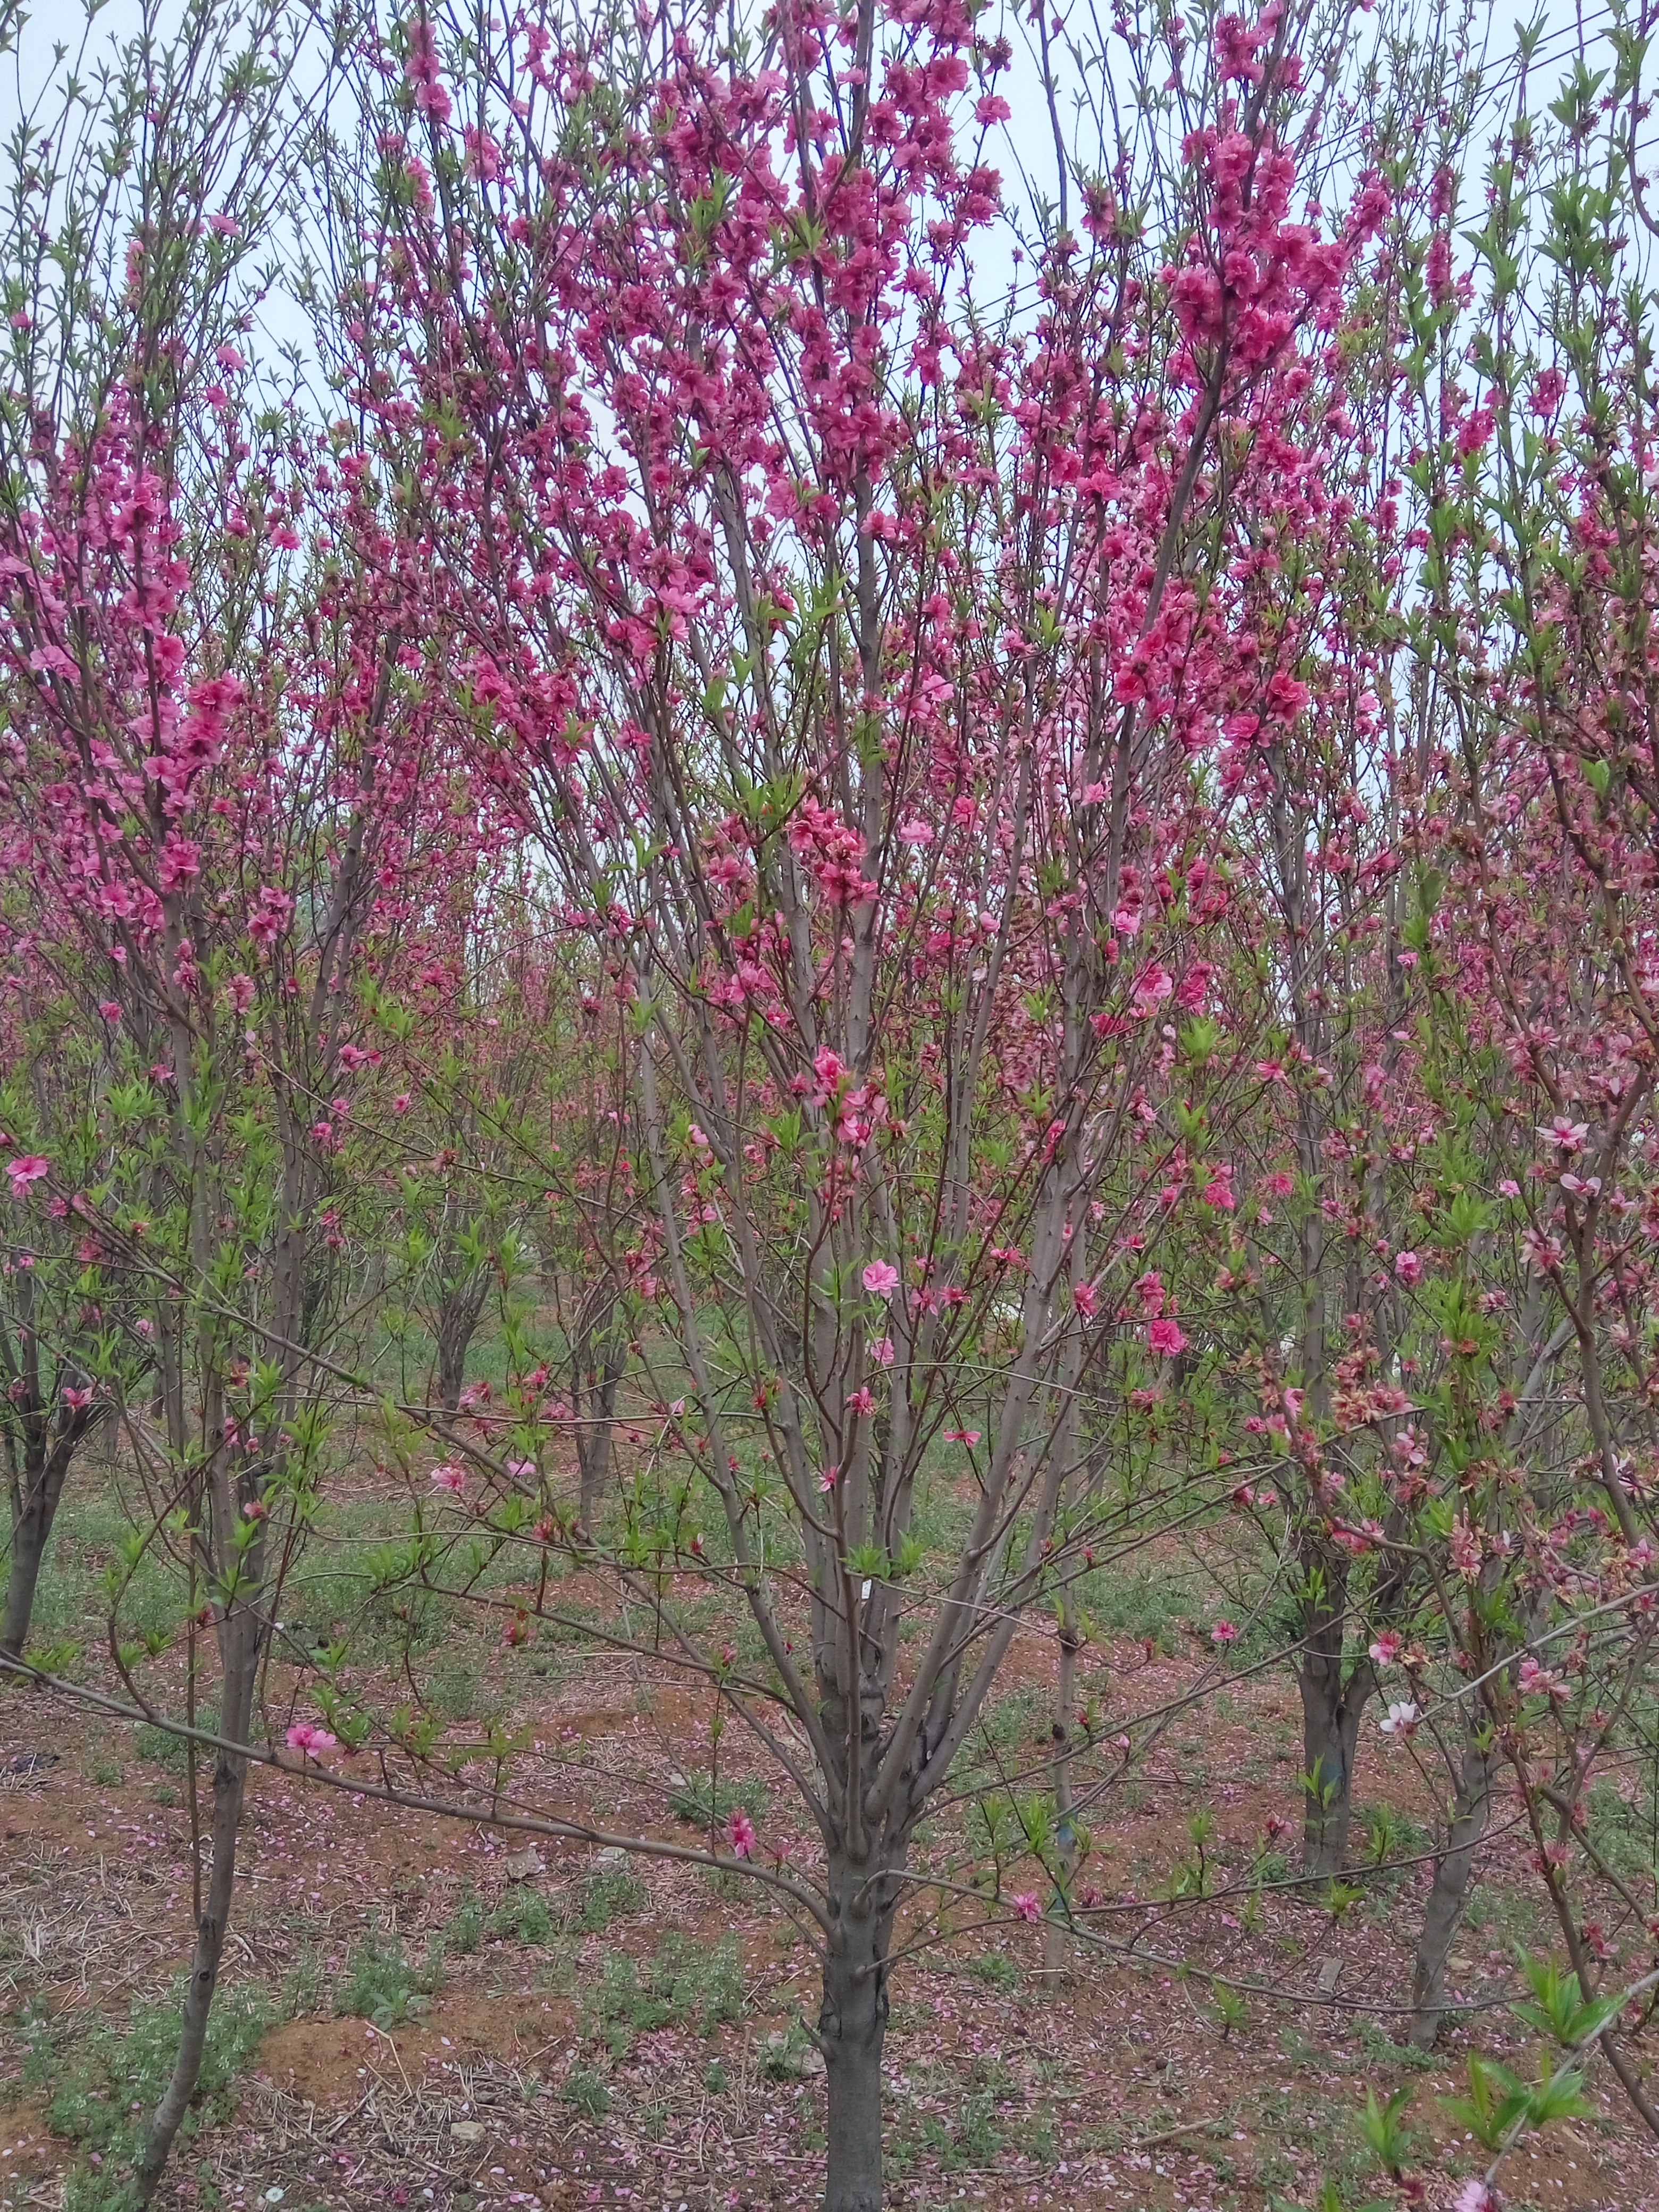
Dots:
pixel 1023 149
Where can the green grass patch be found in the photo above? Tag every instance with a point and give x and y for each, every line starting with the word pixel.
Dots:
pixel 684 1985
pixel 101 2082
pixel 610 1893
pixel 383 1984
pixel 691 1801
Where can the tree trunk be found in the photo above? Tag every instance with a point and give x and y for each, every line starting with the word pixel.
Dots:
pixel 458 1319
pixel 851 2030
pixel 1056 1933
pixel 599 1355
pixel 593 1462
pixel 34 1508
pixel 1332 1707
pixel 1444 1909
pixel 28 1549
pixel 240 1663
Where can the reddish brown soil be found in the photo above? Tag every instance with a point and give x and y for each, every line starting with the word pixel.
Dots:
pixel 1114 2085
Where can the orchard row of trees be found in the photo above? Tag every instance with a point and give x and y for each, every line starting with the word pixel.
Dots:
pixel 916 839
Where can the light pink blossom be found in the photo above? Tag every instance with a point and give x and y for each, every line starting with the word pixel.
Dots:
pixel 1466 1548
pixel 1567 1136
pixel 1537 1681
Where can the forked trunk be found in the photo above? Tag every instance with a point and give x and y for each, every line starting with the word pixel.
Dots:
pixel 852 2031
pixel 34 1509
pixel 29 1530
pixel 458 1314
pixel 1444 1909
pixel 1332 1708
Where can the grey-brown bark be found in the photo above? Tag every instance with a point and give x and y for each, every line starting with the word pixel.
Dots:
pixel 458 1311
pixel 240 1645
pixel 43 1432
pixel 36 1489
pixel 598 1359
pixel 1453 1868
pixel 852 2030
pixel 1333 1695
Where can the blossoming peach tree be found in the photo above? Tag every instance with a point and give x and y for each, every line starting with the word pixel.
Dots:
pixel 218 718
pixel 852 654
pixel 1538 929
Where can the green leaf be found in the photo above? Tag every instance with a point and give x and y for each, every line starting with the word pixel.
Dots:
pixel 1591 2019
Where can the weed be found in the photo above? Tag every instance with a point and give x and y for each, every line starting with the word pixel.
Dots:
pixel 466 1930
pixel 381 1985
pixel 453 1691
pixel 558 1977
pixel 106 1773
pixel 683 1984
pixel 974 2137
pixel 1299 2050
pixel 162 1748
pixel 1381 2052
pixel 995 1967
pixel 1391 1835
pixel 690 1802
pixel 586 2091
pixel 1510 1918
pixel 1146 1605
pixel 302 1992
pixel 1620 1832
pixel 783 2057
pixel 523 1917
pixel 610 1893
pixel 1036 2138
pixel 1023 1717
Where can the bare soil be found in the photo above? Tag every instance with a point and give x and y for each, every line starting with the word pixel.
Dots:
pixel 515 2080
